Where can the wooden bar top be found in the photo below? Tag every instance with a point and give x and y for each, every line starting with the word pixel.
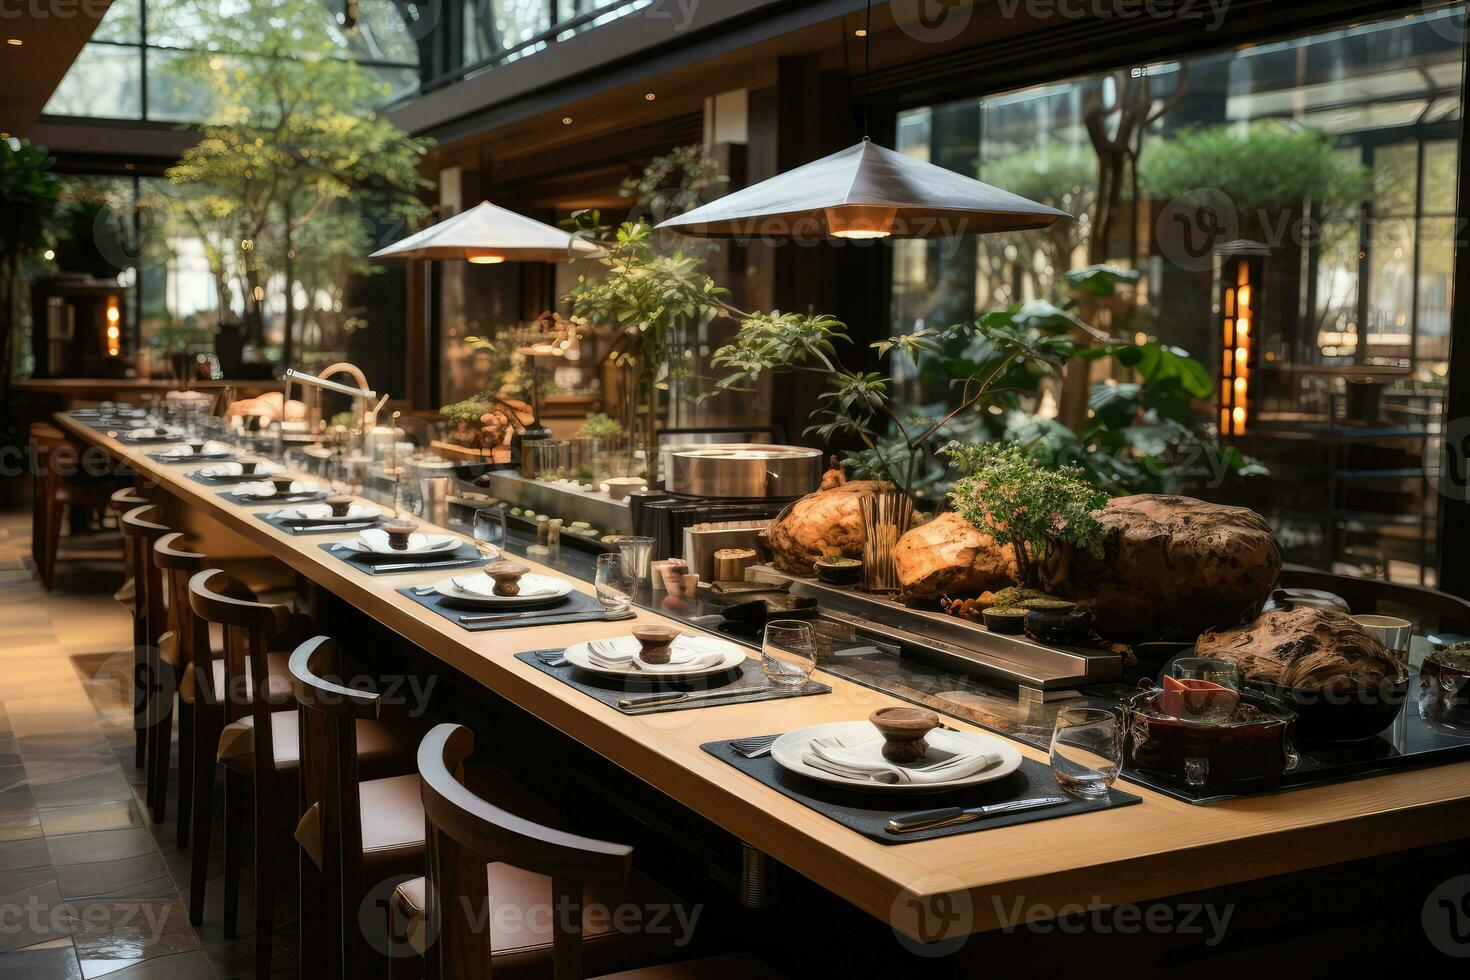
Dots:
pixel 1156 849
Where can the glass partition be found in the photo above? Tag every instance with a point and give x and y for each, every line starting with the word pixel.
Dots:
pixel 1337 154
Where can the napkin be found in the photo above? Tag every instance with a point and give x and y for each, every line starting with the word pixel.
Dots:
pixel 235 469
pixel 484 586
pixel 843 758
pixel 268 489
pixel 687 653
pixel 376 542
pixel 210 449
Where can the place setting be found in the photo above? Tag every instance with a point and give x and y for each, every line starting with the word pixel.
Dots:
pixel 902 776
pixel 279 489
pixel 338 513
pixel 154 435
pixel 397 546
pixel 246 469
pixel 200 451
pixel 506 594
pixel 659 668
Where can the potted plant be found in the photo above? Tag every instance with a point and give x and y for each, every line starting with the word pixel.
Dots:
pixel 1044 515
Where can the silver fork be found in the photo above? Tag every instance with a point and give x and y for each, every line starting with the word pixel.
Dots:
pixel 754 747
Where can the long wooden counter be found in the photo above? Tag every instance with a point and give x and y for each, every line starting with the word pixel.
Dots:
pixel 1153 850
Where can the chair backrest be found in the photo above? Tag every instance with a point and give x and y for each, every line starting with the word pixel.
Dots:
pixel 249 628
pixel 1429 609
pixel 465 833
pixel 128 498
pixel 177 564
pixel 141 531
pixel 328 774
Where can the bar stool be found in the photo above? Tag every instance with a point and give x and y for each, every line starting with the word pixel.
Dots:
pixel 141 531
pixel 358 786
pixel 53 493
pixel 260 741
pixel 478 851
pixel 123 500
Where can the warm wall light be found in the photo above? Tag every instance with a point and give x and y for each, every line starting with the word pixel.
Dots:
pixel 860 222
pixel 566 120
pixel 1240 271
pixel 114 328
pixel 650 96
pixel 15 41
pixel 486 259
pixel 860 32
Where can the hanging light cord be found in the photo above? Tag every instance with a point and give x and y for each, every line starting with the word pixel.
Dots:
pixel 867 62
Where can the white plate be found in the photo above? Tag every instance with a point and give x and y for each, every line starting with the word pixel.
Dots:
pixel 733 656
pixel 356 514
pixel 479 592
pixel 266 489
pixel 375 542
pixel 210 449
pixel 789 749
pixel 235 469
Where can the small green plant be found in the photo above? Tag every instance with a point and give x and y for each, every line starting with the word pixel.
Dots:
pixel 1043 514
pixel 468 412
pixel 600 425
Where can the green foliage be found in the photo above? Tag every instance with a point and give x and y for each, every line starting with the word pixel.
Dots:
pixel 29 193
pixel 297 166
pixel 1020 502
pixel 1101 280
pixel 468 412
pixel 1268 168
pixel 677 182
pixel 599 425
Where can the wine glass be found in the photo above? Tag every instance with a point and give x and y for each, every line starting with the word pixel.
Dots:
pixel 614 587
pixel 1087 749
pixel 490 526
pixel 789 652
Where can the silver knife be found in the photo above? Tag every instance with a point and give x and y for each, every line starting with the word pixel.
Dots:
pixel 656 700
pixel 934 819
pixel 430 566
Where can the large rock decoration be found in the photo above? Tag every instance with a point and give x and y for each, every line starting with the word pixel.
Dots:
pixel 950 556
pixel 1305 647
pixel 1176 567
pixel 819 522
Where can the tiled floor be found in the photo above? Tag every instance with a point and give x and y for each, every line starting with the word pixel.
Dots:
pixel 89 885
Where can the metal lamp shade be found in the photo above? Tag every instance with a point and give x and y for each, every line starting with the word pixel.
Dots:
pixel 488 234
pixel 865 191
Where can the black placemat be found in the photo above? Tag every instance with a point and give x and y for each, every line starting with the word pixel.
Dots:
pixel 191 458
pixel 308 497
pixel 228 481
pixel 304 530
pixel 610 690
pixel 375 564
pixel 148 440
pixel 575 608
pixel 867 813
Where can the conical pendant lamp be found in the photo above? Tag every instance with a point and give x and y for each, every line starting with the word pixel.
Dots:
pixel 865 192
pixel 488 235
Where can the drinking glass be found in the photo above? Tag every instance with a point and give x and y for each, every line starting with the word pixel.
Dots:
pixel 490 526
pixel 1394 633
pixel 1203 690
pixel 637 557
pixel 789 652
pixel 1087 749
pixel 614 589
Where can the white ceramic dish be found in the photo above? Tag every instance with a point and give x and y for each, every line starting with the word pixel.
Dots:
pixel 235 469
pixel 476 589
pixel 731 655
pixel 356 514
pixel 375 542
pixel 861 737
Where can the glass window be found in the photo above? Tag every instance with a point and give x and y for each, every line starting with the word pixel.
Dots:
pixel 494 26
pixel 1339 153
pixel 106 81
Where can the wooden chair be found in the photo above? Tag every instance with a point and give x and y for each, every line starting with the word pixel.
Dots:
pixel 358 792
pixel 141 531
pixel 478 853
pixel 53 493
pixel 1430 609
pixel 122 501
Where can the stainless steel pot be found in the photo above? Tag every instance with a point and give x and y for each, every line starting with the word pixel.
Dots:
pixel 744 471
